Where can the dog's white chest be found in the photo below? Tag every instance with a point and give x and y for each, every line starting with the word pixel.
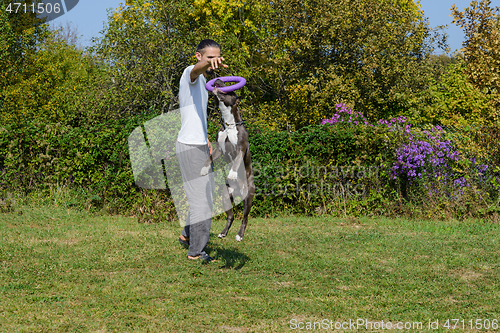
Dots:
pixel 230 132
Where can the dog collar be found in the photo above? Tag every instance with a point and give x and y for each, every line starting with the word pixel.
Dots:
pixel 226 124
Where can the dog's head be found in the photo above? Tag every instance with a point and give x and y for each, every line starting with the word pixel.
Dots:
pixel 229 99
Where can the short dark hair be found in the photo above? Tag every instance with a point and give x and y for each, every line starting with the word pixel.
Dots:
pixel 207 43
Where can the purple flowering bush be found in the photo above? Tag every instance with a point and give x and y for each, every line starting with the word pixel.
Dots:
pixel 427 165
pixel 444 169
pixel 429 159
pixel 345 114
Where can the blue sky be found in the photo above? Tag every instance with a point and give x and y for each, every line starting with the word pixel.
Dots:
pixel 89 17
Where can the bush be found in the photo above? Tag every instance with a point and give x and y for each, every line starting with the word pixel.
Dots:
pixel 38 157
pixel 344 166
pixel 347 166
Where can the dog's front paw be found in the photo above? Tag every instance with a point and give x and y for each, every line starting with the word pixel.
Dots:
pixel 233 175
pixel 204 171
pixel 238 238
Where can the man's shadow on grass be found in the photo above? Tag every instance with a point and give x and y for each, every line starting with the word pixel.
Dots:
pixel 228 257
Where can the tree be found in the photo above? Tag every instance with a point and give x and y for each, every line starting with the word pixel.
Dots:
pixel 42 78
pixel 455 101
pixel 369 54
pixel 68 32
pixel 481 49
pixel 21 34
pixel 300 57
pixel 54 88
pixel 144 46
pixel 148 43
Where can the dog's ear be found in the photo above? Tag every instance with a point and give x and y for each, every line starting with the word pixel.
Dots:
pixel 238 100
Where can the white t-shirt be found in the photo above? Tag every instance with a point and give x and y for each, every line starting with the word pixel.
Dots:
pixel 193 100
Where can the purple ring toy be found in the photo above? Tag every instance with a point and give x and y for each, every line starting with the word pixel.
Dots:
pixel 240 83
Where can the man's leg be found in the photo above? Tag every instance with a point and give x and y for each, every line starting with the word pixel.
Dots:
pixel 184 237
pixel 199 235
pixel 199 195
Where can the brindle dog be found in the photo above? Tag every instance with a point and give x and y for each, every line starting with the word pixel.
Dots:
pixel 232 144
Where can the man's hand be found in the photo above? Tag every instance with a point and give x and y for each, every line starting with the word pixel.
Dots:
pixel 216 62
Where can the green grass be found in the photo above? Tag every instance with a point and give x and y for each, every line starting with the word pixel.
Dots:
pixel 63 270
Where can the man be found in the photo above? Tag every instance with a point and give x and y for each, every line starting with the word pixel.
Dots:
pixel 193 148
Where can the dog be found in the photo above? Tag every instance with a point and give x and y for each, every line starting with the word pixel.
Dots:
pixel 232 144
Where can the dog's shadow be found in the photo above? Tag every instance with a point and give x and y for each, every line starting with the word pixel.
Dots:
pixel 229 258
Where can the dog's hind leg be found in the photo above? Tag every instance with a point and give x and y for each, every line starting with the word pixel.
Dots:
pixel 230 219
pixel 230 215
pixel 248 206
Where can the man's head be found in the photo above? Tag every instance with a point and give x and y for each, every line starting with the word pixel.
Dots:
pixel 206 50
pixel 207 43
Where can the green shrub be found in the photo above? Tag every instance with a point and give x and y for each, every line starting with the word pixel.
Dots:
pixel 340 168
pixel 454 101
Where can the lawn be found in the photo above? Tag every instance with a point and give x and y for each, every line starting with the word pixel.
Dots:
pixel 64 270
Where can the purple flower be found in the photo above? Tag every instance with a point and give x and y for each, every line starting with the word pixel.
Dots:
pixel 427 158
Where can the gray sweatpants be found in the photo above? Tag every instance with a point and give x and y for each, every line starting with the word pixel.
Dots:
pixel 199 193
